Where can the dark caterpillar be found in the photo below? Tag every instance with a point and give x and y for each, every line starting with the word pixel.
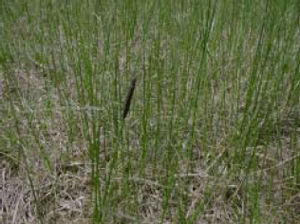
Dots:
pixel 128 98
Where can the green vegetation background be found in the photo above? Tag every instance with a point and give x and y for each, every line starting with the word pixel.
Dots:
pixel 212 135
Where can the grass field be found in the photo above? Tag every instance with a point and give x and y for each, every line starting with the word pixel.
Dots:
pixel 212 134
